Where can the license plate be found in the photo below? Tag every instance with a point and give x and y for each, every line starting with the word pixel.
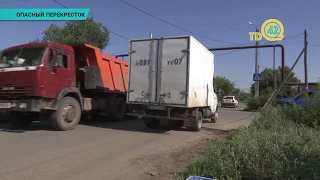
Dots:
pixel 157 107
pixel 5 105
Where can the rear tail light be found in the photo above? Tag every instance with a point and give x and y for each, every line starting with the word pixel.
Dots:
pixel 137 111
pixel 232 100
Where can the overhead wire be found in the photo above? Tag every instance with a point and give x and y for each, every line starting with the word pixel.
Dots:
pixel 200 15
pixel 108 29
pixel 121 36
pixel 178 27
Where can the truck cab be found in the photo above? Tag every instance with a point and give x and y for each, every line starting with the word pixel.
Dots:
pixel 31 77
pixel 60 81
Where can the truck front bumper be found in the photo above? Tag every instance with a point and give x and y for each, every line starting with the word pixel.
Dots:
pixel 27 105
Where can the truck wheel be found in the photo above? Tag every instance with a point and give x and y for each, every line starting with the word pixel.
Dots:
pixel 199 120
pixel 151 122
pixel 214 118
pixel 119 111
pixel 18 120
pixel 68 115
pixel 176 124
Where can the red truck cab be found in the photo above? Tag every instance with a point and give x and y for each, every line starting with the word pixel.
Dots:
pixel 57 80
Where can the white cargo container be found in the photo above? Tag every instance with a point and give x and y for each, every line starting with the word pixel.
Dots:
pixel 172 78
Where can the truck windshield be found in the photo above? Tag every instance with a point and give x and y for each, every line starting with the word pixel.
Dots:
pixel 22 57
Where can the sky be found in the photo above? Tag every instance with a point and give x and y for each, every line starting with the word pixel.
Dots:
pixel 209 21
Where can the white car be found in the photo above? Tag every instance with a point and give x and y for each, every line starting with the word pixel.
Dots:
pixel 229 101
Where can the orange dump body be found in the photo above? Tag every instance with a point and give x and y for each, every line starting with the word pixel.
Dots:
pixel 113 72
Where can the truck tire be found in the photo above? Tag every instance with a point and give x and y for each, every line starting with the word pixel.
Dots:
pixel 119 111
pixel 215 117
pixel 19 120
pixel 68 115
pixel 151 122
pixel 199 121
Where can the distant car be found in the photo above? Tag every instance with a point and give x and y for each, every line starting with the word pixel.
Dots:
pixel 302 99
pixel 229 101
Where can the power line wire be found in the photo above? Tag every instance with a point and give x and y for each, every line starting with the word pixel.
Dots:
pixel 178 27
pixel 200 15
pixel 108 29
pixel 117 52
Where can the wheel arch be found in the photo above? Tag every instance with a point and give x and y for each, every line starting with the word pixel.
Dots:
pixel 70 92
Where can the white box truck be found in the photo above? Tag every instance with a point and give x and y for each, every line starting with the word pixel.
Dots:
pixel 171 79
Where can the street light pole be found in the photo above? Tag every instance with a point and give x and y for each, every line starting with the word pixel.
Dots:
pixel 256 84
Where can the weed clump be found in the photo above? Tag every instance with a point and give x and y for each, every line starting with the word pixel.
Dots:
pixel 283 143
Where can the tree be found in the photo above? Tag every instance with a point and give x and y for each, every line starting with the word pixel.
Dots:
pixel 241 95
pixel 223 84
pixel 266 83
pixel 244 96
pixel 236 92
pixel 78 32
pixel 36 40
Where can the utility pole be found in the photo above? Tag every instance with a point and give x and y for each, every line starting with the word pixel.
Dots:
pixel 274 69
pixel 306 60
pixel 256 88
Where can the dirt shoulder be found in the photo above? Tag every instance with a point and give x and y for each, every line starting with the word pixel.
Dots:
pixel 166 164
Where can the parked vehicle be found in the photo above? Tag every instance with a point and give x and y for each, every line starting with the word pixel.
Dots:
pixel 302 99
pixel 229 101
pixel 171 79
pixel 64 83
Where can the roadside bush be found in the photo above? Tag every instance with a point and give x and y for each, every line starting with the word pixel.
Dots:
pixel 256 103
pixel 270 148
pixel 309 116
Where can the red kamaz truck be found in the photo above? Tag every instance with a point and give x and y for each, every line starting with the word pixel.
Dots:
pixel 62 83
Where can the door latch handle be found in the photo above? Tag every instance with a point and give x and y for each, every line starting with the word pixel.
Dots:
pixel 68 79
pixel 145 94
pixel 165 95
pixel 50 71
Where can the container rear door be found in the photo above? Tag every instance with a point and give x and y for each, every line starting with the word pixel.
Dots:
pixel 142 74
pixel 173 71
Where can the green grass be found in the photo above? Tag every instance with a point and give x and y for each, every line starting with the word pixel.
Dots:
pixel 276 146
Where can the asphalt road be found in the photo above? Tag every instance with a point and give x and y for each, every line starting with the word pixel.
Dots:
pixel 95 149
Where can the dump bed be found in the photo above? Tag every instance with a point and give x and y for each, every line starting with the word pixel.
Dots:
pixel 101 71
pixel 173 71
